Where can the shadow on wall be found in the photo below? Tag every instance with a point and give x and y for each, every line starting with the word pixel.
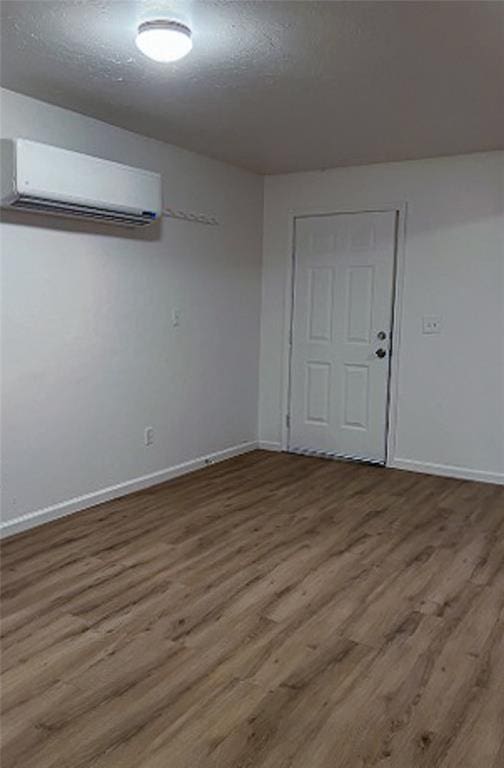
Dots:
pixel 148 233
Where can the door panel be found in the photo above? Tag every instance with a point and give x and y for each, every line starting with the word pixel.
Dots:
pixel 343 288
pixel 318 386
pixel 321 304
pixel 359 301
pixel 356 393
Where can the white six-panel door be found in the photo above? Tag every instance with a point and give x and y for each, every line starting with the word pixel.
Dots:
pixel 341 328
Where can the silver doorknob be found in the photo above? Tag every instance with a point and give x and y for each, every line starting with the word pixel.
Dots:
pixel 381 352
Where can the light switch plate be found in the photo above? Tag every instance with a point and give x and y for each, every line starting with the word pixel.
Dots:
pixel 431 324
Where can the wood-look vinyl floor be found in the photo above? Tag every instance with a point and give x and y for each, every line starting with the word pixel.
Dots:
pixel 273 611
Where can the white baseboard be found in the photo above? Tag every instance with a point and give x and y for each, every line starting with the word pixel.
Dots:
pixel 63 508
pixel 40 516
pixel 445 470
pixel 267 445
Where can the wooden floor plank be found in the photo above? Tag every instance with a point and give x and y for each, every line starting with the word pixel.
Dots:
pixel 272 611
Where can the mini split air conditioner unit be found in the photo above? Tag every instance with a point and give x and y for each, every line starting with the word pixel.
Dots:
pixel 43 179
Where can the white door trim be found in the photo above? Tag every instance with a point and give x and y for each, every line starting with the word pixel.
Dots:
pixel 293 214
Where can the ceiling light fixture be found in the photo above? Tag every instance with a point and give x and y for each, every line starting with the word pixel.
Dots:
pixel 164 40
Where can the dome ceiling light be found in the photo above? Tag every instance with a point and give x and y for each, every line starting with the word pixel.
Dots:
pixel 164 40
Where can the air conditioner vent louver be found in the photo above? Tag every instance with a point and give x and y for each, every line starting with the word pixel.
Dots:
pixel 49 180
pixel 40 205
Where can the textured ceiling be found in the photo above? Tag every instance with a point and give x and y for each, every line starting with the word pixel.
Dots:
pixel 275 86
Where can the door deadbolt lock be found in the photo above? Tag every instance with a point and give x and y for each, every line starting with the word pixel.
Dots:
pixel 381 335
pixel 381 352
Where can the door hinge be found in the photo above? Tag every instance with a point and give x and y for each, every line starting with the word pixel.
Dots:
pixel 287 421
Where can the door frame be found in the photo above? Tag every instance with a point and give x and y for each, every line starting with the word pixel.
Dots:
pixel 397 302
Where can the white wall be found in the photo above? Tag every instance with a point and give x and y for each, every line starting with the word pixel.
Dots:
pixel 451 386
pixel 90 357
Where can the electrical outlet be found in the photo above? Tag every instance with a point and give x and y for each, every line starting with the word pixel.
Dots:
pixel 431 324
pixel 148 435
pixel 176 318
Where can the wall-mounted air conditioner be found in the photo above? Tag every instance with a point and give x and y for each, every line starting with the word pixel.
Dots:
pixel 44 179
